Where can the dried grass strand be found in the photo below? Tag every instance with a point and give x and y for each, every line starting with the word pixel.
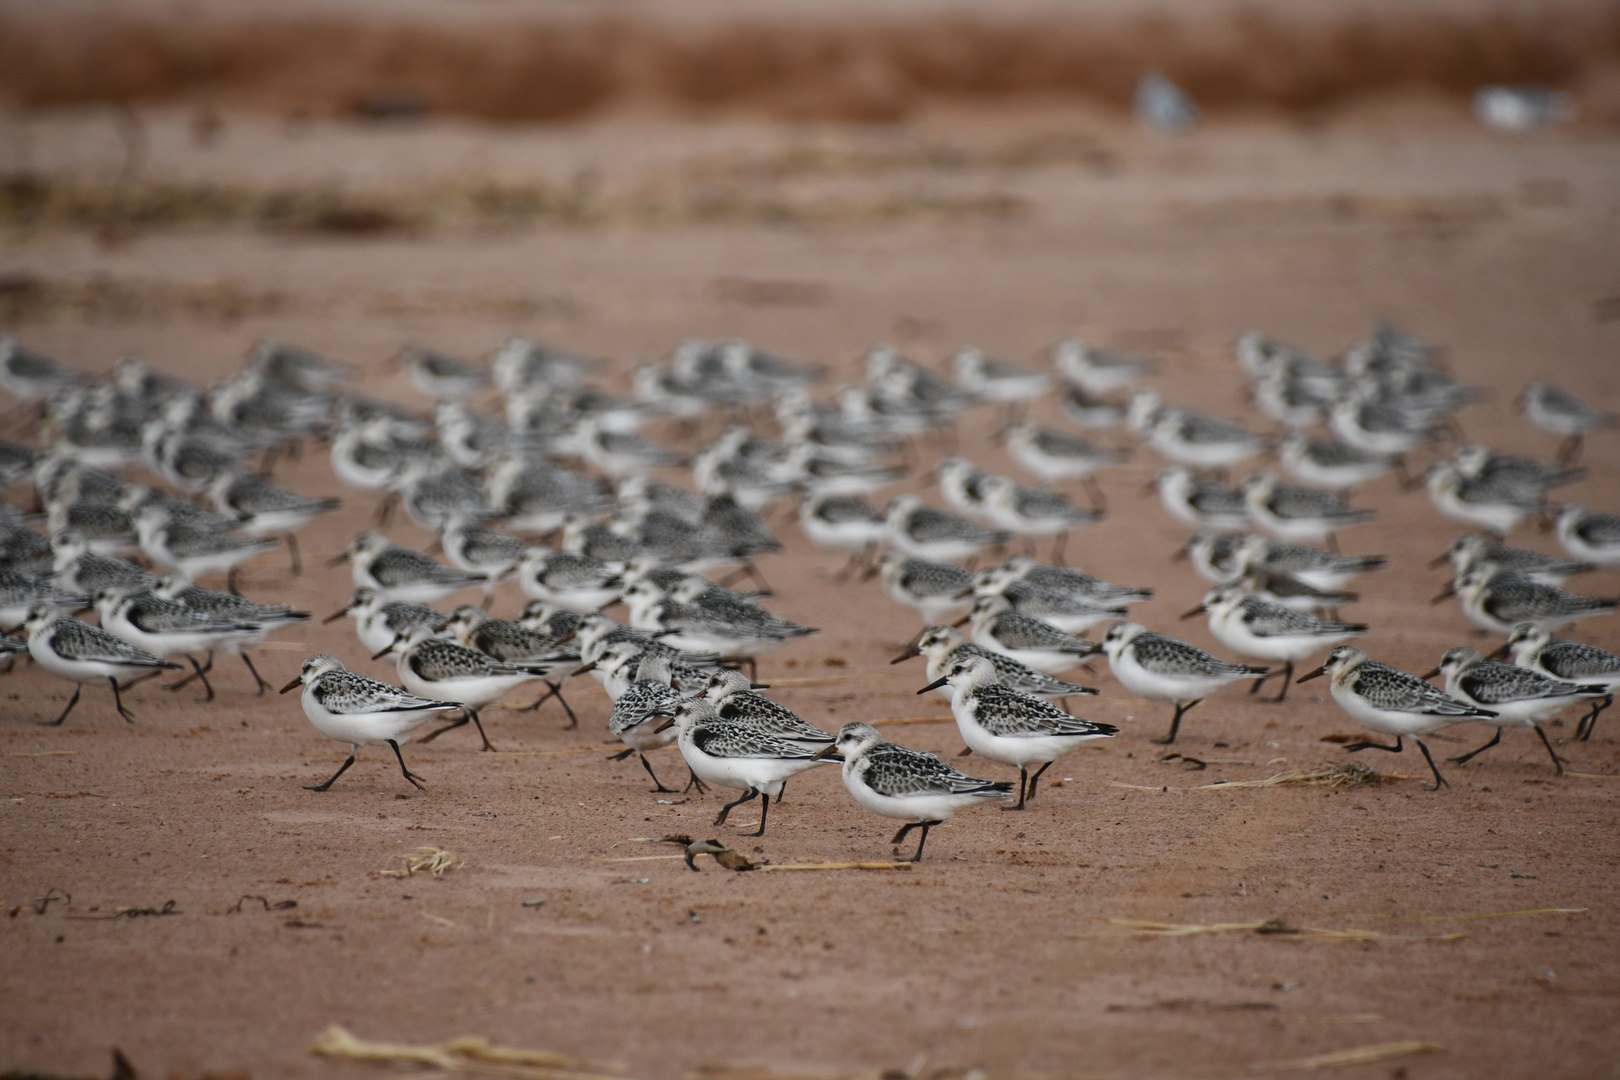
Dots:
pixel 434 861
pixel 467 1054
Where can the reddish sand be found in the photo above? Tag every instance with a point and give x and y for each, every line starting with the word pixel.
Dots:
pixel 996 951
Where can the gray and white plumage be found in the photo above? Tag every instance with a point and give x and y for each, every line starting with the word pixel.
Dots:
pixel 1027 511
pixel 565 579
pixel 1516 694
pixel 1029 640
pixel 930 588
pixel 734 699
pixel 1328 571
pixel 930 533
pixel 20 591
pixel 1253 626
pixel 1051 455
pixel 1329 463
pixel 1482 502
pixel 1560 413
pixel 1471 551
pixel 842 523
pixel 1296 513
pixel 1069 613
pixel 1066 581
pixel 1525 476
pixel 259 508
pixel 401 573
pixel 1388 700
pixel 1201 503
pixel 1497 601
pixel 1589 536
pixel 1097 371
pixel 1217 556
pixel 1571 661
pixel 941 646
pixel 81 571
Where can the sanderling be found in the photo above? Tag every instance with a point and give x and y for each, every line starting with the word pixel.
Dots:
pixel 1331 464
pixel 1470 551
pixel 1026 639
pixel 30 376
pixel 1295 513
pixel 1051 455
pixel 1216 556
pixel 1568 661
pixel 432 492
pixel 1070 613
pixel 82 571
pixel 1031 512
pixel 20 591
pixel 737 608
pixel 1517 695
pixel 575 582
pixel 843 524
pixel 1201 503
pixel 1159 668
pixel 536 496
pixel 1325 570
pixel 993 380
pixel 1064 580
pixel 227 607
pixel 164 627
pixel 104 526
pixel 360 711
pixel 820 473
pixel 1377 427
pixel 401 573
pixel 519 362
pixel 442 376
pixel 1293 402
pixel 1009 727
pixel 1093 414
pixel 1588 536
pixel 378 621
pixel 933 534
pixel 1293 592
pixel 1562 414
pixel 1524 476
pixel 192 550
pixel 1482 503
pixel 259 508
pixel 477 549
pixel 440 669
pixel 932 589
pixel 911 785
pixel 81 653
pixel 735 698
pixel 1252 626
pixel 618 453
pixel 519 645
pixel 695 628
pixel 941 646
pixel 1496 601
pixel 1185 437
pixel 735 755
pixel 641 709
pixel 1388 701
pixel 1098 371
pixel 962 484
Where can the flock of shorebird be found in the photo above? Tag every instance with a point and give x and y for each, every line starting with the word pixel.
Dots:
pixel 567 464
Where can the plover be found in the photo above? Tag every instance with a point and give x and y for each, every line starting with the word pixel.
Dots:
pixel 1471 551
pixel 941 646
pixel 433 667
pixel 80 570
pixel 535 496
pixel 519 645
pixel 1159 668
pixel 1293 592
pixel 1569 661
pixel 477 549
pixel 575 582
pixel 1252 626
pixel 932 589
pixel 1562 414
pixel 81 653
pixel 911 785
pixel 104 526
pixel 1295 513
pixel 1009 727
pixel 997 381
pixel 1496 601
pixel 734 755
pixel 361 712
pixel 1331 464
pixel 1201 503
pixel 259 508
pixel 1098 371
pixel 1589 536
pixel 1026 639
pixel 378 621
pixel 401 573
pixel 1481 503
pixel 937 535
pixel 1388 701
pixel 1518 696
pixel 227 607
pixel 843 524
pixel 694 628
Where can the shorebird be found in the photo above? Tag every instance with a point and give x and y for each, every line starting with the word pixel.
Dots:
pixel 910 785
pixel 1032 512
pixel 1252 626
pixel 941 646
pixel 1069 613
pixel 81 653
pixel 1009 727
pixel 227 607
pixel 1524 476
pixel 1293 592
pixel 932 589
pixel 1496 601
pixel 1568 661
pixel 997 381
pixel 441 376
pixel 1565 415
pixel 1218 557
pixel 519 645
pixel 1481 503
pixel 734 755
pixel 1026 639
pixel 698 629
pixel 20 591
pixel 192 550
pixel 1065 580
pixel 1051 455
pixel 937 535
pixel 31 376
pixel 476 549
pixel 1518 696
pixel 1159 668
pixel 1328 571
pixel 378 621
pixel 962 484
pixel 735 698
pixel 843 524
pixel 1203 504
pixel 1098 371
pixel 432 667
pixel 1588 536
pixel 401 573
pixel 165 627
pixel 1388 701
pixel 361 712
pixel 258 508
pixel 1331 464
pixel 1295 513
pixel 640 710
pixel 1377 427
pixel 1470 551
pixel 1185 437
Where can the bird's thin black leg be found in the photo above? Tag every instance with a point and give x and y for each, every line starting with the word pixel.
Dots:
pixel 1368 745
pixel 118 702
pixel 921 841
pixel 263 686
pixel 1175 722
pixel 1466 758
pixel 1023 777
pixel 573 721
pixel 412 777
pixel 341 770
pixel 479 724
pixel 658 784
pixel 694 782
pixel 1584 730
pixel 78 688
pixel 1557 762
pixel 553 690
pixel 451 726
pixel 1036 779
pixel 203 674
pixel 1288 677
pixel 720 819
pixel 780 793
pixel 292 549
pixel 1438 779
pixel 904 831
pixel 764 810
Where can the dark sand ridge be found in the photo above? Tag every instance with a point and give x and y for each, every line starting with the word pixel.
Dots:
pixel 559 61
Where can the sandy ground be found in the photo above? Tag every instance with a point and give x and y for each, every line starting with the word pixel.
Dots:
pixel 996 952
